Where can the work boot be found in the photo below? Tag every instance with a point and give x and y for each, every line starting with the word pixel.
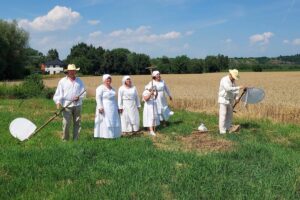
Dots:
pixel 152 133
pixel 234 128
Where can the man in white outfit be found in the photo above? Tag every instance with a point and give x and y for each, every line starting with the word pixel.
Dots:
pixel 228 92
pixel 69 88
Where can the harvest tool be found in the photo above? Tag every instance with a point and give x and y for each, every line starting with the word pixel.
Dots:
pixel 250 96
pixel 22 128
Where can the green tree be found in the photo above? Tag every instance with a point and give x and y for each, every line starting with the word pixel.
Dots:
pixel 196 66
pixel 211 64
pixel 13 42
pixel 52 55
pixel 120 61
pixel 180 64
pixel 138 63
pixel 93 56
pixel 34 59
pixel 84 64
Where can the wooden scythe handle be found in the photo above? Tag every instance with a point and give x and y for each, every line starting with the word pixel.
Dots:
pixel 239 99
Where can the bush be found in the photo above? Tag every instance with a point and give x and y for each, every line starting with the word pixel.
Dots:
pixel 49 93
pixel 32 86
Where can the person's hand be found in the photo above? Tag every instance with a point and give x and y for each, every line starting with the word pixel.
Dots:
pixel 120 110
pixel 242 87
pixel 171 99
pixel 58 106
pixel 101 110
pixel 75 98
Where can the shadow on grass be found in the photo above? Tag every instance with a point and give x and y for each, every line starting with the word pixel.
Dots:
pixel 250 125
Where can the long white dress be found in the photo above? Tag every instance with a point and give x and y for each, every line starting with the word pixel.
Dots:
pixel 164 111
pixel 128 100
pixel 150 118
pixel 107 124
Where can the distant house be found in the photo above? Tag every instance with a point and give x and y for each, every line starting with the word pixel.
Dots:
pixel 54 66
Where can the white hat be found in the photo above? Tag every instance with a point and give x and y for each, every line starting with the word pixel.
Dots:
pixel 124 79
pixel 154 73
pixel 234 73
pixel 72 67
pixel 105 76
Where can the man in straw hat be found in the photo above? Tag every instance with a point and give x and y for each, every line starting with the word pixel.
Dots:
pixel 68 90
pixel 228 92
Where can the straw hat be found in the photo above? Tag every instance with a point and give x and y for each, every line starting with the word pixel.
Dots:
pixel 234 73
pixel 72 67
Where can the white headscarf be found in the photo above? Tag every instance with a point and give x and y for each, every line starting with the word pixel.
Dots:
pixel 105 76
pixel 154 73
pixel 124 79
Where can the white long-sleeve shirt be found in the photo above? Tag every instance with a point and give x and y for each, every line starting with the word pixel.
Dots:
pixel 67 90
pixel 227 91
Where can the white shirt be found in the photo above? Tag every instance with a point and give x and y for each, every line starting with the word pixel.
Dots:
pixel 67 90
pixel 227 91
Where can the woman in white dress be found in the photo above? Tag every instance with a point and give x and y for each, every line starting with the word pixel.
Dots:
pixel 164 111
pixel 107 120
pixel 150 113
pixel 129 103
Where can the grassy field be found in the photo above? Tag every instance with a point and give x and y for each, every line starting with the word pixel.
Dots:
pixel 198 92
pixel 261 162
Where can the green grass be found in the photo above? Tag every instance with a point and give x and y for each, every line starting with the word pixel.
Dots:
pixel 264 163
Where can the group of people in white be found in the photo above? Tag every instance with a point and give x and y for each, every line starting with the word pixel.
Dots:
pixel 114 117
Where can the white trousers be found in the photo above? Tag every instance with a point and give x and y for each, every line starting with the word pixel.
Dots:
pixel 225 117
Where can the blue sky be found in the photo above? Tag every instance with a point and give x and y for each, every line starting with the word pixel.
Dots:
pixel 248 28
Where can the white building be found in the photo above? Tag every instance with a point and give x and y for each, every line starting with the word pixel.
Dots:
pixel 54 66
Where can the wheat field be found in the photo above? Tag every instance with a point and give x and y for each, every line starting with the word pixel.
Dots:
pixel 198 92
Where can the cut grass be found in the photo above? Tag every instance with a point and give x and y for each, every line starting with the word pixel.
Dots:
pixel 264 162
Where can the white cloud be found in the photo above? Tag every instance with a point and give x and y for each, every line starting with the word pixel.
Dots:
pixel 142 34
pixel 93 22
pixel 59 18
pixel 95 34
pixel 262 39
pixel 228 41
pixel 141 39
pixel 286 41
pixel 296 41
pixel 189 33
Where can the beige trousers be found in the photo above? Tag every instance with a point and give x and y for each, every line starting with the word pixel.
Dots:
pixel 71 114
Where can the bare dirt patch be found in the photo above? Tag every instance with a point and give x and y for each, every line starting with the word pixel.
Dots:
pixel 199 142
pixel 206 142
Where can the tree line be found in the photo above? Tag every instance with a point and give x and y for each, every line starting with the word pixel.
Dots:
pixel 17 59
